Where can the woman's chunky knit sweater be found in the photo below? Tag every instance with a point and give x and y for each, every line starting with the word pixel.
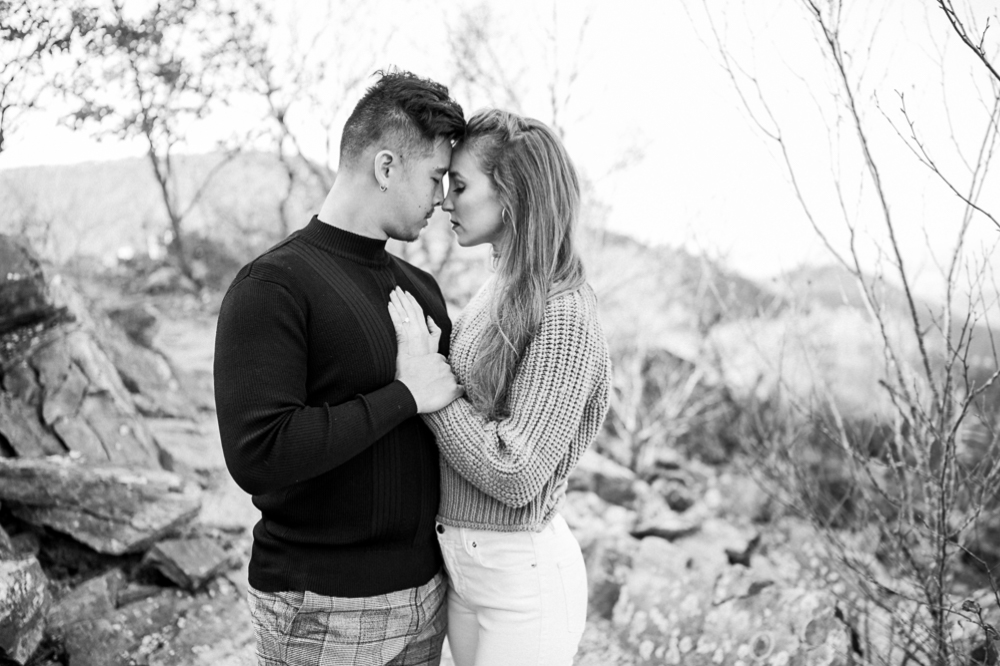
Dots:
pixel 505 475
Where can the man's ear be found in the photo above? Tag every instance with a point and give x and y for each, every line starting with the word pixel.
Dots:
pixel 386 164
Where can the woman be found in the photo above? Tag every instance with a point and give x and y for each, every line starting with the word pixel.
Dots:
pixel 531 355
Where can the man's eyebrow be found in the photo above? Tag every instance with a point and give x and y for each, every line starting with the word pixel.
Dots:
pixel 441 170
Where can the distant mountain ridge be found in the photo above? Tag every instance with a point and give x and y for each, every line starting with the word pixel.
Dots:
pixel 94 208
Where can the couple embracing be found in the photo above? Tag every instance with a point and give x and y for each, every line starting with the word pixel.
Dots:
pixel 409 473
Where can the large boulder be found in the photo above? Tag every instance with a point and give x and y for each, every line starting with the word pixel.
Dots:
pixel 125 635
pixel 666 594
pixel 112 509
pixel 126 335
pixel 63 393
pixel 103 623
pixel 684 602
pixel 95 597
pixel 194 447
pixel 216 630
pixel 757 619
pixel 83 401
pixel 188 562
pixel 23 603
pixel 70 379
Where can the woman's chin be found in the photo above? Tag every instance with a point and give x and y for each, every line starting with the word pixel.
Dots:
pixel 465 241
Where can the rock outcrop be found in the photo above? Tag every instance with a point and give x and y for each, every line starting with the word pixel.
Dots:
pixel 70 379
pixel 86 489
pixel 190 563
pixel 84 407
pixel 24 600
pixel 95 597
pixel 126 335
pixel 112 509
pixel 684 603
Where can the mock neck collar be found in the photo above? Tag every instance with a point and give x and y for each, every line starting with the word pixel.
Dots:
pixel 357 248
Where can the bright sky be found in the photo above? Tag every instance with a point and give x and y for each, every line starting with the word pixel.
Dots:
pixel 709 179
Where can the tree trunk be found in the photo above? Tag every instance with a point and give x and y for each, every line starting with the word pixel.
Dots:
pixel 176 247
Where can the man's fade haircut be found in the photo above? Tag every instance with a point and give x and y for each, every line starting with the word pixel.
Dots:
pixel 403 112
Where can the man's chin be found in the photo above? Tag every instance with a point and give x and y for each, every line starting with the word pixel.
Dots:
pixel 407 235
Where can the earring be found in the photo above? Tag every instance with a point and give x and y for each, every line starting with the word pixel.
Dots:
pixel 383 187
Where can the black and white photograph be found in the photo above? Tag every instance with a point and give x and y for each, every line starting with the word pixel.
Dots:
pixel 499 333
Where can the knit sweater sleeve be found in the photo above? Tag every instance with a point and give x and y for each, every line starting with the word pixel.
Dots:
pixel 270 437
pixel 512 459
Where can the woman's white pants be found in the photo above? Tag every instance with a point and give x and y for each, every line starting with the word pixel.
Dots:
pixel 515 597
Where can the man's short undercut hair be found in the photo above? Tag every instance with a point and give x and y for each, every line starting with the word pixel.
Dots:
pixel 401 112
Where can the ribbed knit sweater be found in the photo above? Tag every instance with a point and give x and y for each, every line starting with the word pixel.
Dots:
pixel 314 425
pixel 504 475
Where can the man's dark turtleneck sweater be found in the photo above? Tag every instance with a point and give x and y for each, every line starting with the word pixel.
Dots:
pixel 315 426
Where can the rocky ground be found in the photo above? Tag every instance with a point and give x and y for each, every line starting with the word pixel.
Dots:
pixel 649 548
pixel 124 541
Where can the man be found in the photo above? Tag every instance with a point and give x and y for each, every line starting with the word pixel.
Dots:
pixel 318 415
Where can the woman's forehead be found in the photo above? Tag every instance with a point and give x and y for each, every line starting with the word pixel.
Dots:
pixel 437 159
pixel 464 163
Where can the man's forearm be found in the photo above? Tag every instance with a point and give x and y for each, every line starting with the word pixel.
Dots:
pixel 268 449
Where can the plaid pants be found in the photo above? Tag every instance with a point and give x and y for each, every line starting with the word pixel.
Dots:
pixel 404 628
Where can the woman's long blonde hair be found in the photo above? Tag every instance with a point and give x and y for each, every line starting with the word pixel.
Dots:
pixel 539 190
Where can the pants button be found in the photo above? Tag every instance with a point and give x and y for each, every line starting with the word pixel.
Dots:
pixel 440 529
